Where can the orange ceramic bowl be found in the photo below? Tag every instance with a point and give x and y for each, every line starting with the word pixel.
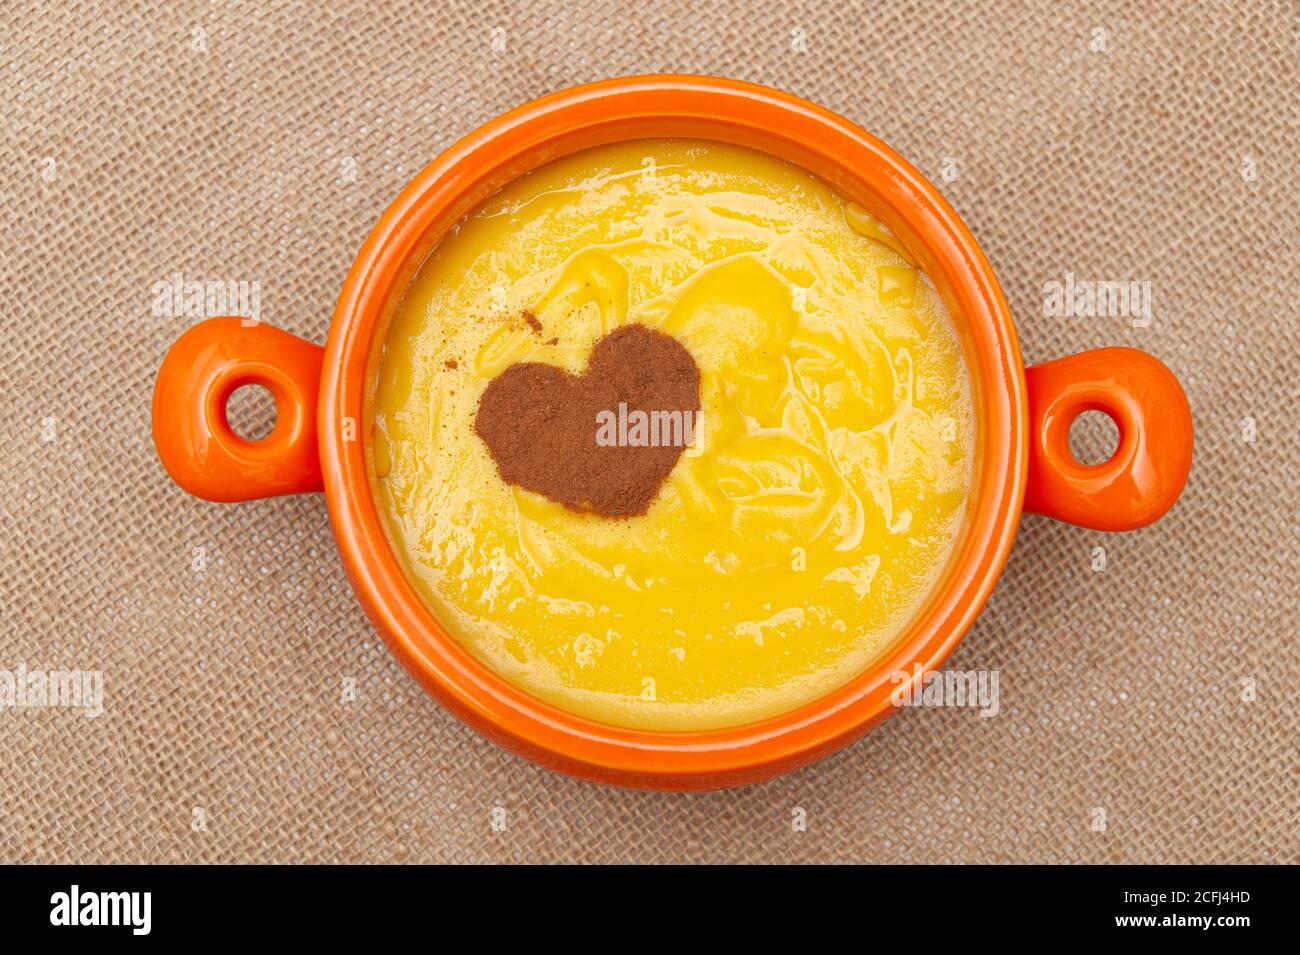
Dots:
pixel 324 404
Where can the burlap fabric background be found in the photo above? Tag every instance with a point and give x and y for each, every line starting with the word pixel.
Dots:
pixel 265 147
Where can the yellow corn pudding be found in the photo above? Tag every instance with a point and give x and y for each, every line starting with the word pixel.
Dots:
pixel 821 493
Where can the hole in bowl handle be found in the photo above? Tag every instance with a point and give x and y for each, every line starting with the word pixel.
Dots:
pixel 1145 475
pixel 194 439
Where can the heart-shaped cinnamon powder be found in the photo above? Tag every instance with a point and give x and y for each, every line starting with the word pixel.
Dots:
pixel 577 440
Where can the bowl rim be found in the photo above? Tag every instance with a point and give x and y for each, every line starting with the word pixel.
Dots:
pixel 863 169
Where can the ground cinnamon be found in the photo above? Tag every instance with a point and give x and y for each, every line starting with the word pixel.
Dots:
pixel 548 431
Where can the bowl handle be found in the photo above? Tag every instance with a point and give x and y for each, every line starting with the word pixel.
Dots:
pixel 1144 476
pixel 195 441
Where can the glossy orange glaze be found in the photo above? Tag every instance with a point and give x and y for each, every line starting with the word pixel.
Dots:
pixel 194 440
pixel 1144 476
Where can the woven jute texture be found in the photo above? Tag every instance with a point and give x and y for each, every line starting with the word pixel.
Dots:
pixel 1148 709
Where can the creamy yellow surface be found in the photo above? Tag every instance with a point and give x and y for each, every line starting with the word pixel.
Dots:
pixel 827 489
